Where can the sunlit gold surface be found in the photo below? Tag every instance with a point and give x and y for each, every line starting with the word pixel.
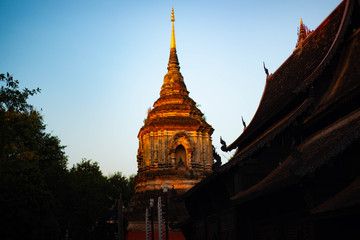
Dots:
pixel 173 44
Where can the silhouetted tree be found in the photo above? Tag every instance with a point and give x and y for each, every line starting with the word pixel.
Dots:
pixel 92 201
pixel 121 184
pixel 39 197
pixel 28 159
pixel 88 202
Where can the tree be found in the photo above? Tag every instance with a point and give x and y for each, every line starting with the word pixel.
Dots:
pixel 40 198
pixel 88 201
pixel 92 201
pixel 121 184
pixel 28 159
pixel 11 98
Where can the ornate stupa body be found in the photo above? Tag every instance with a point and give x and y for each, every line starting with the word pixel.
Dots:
pixel 175 144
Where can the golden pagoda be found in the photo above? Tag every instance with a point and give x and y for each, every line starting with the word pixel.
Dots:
pixel 175 146
pixel 175 141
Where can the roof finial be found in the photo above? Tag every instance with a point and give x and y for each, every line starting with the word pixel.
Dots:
pixel 266 71
pixel 173 44
pixel 303 32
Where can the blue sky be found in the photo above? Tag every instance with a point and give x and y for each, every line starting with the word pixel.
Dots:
pixel 101 63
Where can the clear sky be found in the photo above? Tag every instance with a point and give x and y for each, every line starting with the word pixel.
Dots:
pixel 101 63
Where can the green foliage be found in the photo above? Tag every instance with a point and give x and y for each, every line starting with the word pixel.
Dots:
pixel 120 184
pixel 28 157
pixel 11 98
pixel 89 199
pixel 39 197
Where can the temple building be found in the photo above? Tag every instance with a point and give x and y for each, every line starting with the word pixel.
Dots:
pixel 175 146
pixel 296 170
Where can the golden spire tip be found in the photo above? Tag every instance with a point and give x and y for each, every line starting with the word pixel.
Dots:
pixel 173 44
pixel 172 15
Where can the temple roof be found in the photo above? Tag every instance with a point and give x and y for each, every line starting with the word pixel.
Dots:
pixel 312 86
pixel 349 196
pixel 311 155
pixel 340 88
pixel 284 88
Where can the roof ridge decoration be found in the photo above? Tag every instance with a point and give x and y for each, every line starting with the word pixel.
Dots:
pixel 303 32
pixel 349 5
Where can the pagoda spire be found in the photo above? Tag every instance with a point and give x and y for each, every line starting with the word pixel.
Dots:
pixel 173 80
pixel 173 59
pixel 173 43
